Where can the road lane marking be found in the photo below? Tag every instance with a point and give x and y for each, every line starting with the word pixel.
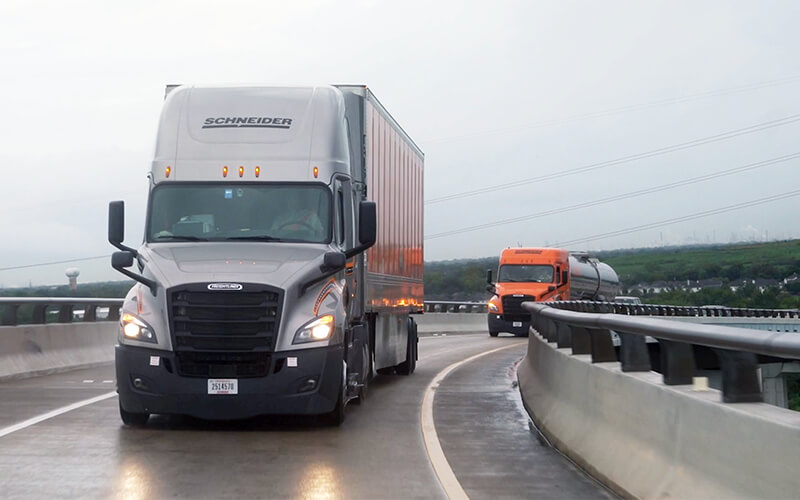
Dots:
pixel 5 431
pixel 441 466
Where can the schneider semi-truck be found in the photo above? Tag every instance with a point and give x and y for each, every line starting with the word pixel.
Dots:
pixel 541 275
pixel 282 255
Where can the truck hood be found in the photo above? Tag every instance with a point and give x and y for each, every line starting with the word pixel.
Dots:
pixel 247 262
pixel 534 289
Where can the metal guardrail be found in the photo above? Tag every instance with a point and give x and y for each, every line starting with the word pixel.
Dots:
pixel 67 307
pixel 668 310
pixel 455 306
pixel 589 332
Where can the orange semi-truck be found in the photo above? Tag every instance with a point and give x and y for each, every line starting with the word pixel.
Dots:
pixel 542 275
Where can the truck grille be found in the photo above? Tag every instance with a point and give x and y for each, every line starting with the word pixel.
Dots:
pixel 512 307
pixel 226 333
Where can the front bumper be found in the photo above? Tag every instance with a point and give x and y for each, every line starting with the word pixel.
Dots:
pixel 499 324
pixel 284 390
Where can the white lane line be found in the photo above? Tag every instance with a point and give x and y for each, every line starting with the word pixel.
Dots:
pixel 5 431
pixel 441 466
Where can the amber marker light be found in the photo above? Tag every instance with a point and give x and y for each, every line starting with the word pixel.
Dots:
pixel 316 172
pixel 224 171
pixel 168 171
pixel 241 171
pixel 258 171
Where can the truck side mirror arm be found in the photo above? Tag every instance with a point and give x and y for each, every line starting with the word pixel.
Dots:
pixel 121 260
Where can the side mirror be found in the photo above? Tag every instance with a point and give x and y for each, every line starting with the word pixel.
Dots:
pixel 116 222
pixel 333 261
pixel 367 228
pixel 116 225
pixel 121 259
pixel 489 276
pixel 564 277
pixel 551 288
pixel 367 223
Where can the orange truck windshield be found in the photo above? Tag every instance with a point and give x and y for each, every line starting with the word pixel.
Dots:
pixel 525 273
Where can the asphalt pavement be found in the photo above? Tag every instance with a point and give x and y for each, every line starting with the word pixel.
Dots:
pixel 52 447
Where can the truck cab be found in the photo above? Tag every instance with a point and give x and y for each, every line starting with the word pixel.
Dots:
pixel 525 275
pixel 247 293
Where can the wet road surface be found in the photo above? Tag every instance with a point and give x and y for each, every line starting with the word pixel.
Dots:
pixel 377 453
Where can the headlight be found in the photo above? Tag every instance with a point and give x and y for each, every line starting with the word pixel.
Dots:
pixel 318 329
pixel 135 329
pixel 492 307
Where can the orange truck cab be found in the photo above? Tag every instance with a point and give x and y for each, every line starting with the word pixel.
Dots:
pixel 542 275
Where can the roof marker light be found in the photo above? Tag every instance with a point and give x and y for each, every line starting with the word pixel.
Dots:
pixel 167 171
pixel 316 172
pixel 258 171
pixel 224 171
pixel 241 171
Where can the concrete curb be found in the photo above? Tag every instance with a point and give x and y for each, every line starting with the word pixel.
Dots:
pixel 647 440
pixel 31 350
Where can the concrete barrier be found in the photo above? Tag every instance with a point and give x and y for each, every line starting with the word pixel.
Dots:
pixel 38 349
pixel 451 322
pixel 647 440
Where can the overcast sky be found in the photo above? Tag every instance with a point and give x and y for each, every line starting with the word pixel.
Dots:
pixel 493 92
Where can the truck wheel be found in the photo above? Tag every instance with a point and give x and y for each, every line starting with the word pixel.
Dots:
pixel 493 334
pixel 408 366
pixel 133 419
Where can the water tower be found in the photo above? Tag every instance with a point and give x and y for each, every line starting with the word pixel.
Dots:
pixel 72 274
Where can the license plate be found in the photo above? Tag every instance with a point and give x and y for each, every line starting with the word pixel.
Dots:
pixel 517 323
pixel 223 386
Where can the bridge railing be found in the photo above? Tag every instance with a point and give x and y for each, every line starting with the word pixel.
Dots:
pixel 69 309
pixel 586 328
pixel 669 310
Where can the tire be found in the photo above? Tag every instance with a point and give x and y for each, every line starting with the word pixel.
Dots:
pixel 493 334
pixel 385 371
pixel 408 366
pixel 132 419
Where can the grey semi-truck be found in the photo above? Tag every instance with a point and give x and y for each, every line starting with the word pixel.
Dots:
pixel 282 257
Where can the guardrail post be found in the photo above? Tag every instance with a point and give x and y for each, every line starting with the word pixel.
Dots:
pixel 39 314
pixel 90 313
pixel 113 313
pixel 633 353
pixel 740 382
pixel 563 335
pixel 65 313
pixel 581 343
pixel 602 347
pixel 550 331
pixel 677 362
pixel 9 315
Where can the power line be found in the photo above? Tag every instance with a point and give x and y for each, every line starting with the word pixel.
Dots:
pixel 609 199
pixel 667 222
pixel 623 109
pixel 625 159
pixel 54 263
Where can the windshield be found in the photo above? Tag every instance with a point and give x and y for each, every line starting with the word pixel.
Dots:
pixel 519 273
pixel 258 212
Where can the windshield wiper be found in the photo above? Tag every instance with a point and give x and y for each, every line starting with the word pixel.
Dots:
pixel 179 238
pixel 262 237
